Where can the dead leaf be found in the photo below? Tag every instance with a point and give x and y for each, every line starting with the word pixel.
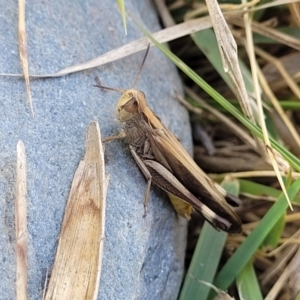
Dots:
pixel 77 265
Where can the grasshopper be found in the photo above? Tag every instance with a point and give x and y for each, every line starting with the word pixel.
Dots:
pixel 164 162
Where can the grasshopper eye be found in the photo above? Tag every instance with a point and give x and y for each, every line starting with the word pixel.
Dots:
pixel 131 106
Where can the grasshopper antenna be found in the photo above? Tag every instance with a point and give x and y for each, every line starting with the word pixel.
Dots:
pixel 142 65
pixel 99 85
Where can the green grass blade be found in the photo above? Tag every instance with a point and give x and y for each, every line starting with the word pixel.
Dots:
pixel 204 263
pixel 272 239
pixel 247 284
pixel 121 5
pixel 232 187
pixel 261 39
pixel 247 249
pixel 206 41
pixel 258 189
pixel 206 256
pixel 294 105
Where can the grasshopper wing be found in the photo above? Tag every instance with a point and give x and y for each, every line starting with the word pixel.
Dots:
pixel 169 152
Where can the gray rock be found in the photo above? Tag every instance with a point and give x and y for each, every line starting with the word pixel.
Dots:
pixel 143 257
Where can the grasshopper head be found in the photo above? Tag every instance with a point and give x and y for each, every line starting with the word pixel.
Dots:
pixel 132 101
pixel 130 105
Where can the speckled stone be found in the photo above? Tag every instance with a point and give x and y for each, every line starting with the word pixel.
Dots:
pixel 143 257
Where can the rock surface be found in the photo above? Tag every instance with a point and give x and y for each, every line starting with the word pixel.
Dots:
pixel 143 257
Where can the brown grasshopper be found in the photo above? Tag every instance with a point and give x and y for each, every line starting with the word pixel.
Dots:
pixel 164 162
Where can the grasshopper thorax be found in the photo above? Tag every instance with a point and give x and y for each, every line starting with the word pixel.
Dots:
pixel 131 103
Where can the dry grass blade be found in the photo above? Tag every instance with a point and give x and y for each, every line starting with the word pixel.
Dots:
pixel 289 272
pixel 280 67
pixel 242 134
pixel 290 66
pixel 295 12
pixel 226 160
pixel 225 7
pixel 162 36
pixel 282 257
pixel 293 217
pixel 271 33
pixel 290 135
pixel 77 266
pixel 221 295
pixel 251 6
pixel 273 3
pixel 164 13
pixel 293 283
pixel 21 224
pixel 277 161
pixel 228 50
pixel 287 122
pixel 249 174
pixel 23 50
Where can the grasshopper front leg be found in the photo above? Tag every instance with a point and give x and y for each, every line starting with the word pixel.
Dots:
pixel 121 135
pixel 140 163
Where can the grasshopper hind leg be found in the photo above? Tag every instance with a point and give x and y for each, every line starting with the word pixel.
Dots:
pixel 146 173
pixel 147 192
